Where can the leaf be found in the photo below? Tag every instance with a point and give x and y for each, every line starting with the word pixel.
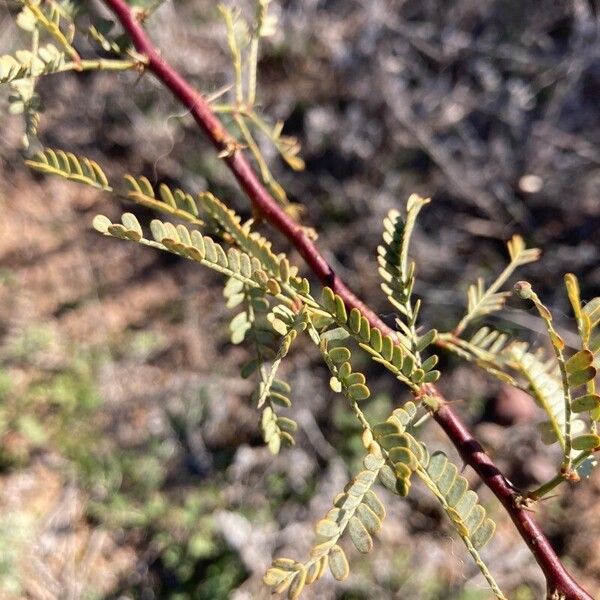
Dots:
pixel 592 310
pixel 25 65
pixel 101 223
pixel 339 355
pixel 130 229
pixel 573 293
pixel 287 564
pixel 373 502
pixel 426 340
pixel 335 384
pixel 546 389
pixel 373 462
pixel 26 20
pixel 482 301
pixel 431 377
pixel 327 528
pixel 340 310
pixel 518 252
pixel 580 360
pixel 344 371
pixel 460 503
pixel 402 487
pixel 388 479
pixel 403 455
pixel 238 327
pixel 474 519
pixel 297 584
pixel 99 33
pixel 368 518
pixel 447 479
pixel 387 433
pixel 429 363
pixel 588 441
pixel 358 392
pixel 580 377
pixel 335 334
pixel 50 16
pixel 273 443
pixel 328 300
pixel 249 241
pixel 174 202
pixel 315 571
pixel 338 563
pixel 360 536
pixel 482 535
pixel 249 367
pixel 354 320
pixel 436 466
pixel 287 425
pixel 394 267
pixel 68 166
pixel 203 249
pixel 402 472
pixel 458 489
pixel 274 576
pixel 586 403
pixel 131 223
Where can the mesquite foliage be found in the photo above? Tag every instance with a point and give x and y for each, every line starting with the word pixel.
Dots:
pixel 272 304
pixel 256 280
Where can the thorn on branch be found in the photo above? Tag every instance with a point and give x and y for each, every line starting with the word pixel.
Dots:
pixel 231 147
pixel 140 14
pixel 524 503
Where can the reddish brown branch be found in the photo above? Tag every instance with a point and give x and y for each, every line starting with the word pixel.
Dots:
pixel 558 580
pixel 557 577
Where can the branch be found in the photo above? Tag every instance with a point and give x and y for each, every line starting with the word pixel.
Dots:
pixel 559 582
pixel 557 578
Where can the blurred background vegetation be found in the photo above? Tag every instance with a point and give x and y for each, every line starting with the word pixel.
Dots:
pixel 131 461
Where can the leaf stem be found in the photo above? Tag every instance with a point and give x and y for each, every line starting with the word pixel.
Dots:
pixel 547 487
pixel 498 283
pixel 524 290
pixel 53 29
pixel 432 487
